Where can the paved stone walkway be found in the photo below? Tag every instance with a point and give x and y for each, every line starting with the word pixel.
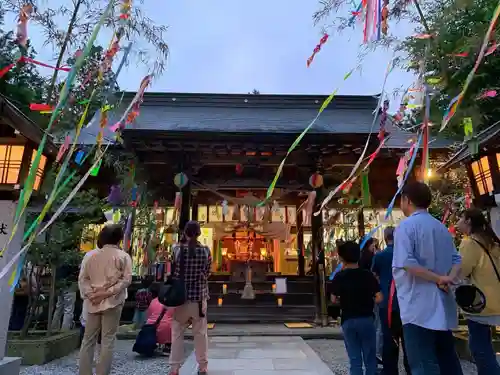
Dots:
pixel 278 355
pixel 224 353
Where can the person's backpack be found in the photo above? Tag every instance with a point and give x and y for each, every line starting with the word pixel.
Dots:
pixel 145 343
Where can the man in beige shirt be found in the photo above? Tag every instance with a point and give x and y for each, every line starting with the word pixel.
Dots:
pixel 103 281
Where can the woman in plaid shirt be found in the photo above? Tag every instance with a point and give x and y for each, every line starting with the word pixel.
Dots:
pixel 197 264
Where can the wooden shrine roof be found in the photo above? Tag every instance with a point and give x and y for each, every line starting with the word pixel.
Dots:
pixel 247 114
pixel 487 139
pixel 10 115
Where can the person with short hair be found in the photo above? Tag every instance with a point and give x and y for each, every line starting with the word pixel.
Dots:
pixel 357 290
pixel 425 263
pixel 392 330
pixel 103 281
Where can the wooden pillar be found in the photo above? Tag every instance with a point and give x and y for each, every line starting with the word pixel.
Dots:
pixel 194 206
pixel 300 242
pixel 316 247
pixel 361 223
pixel 185 207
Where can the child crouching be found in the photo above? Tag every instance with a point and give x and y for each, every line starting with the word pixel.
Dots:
pixel 142 300
pixel 357 290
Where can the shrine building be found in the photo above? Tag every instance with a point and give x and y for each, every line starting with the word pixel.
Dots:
pixel 227 149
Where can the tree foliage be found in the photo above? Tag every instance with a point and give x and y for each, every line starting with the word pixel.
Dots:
pixel 67 27
pixel 457 27
pixel 23 84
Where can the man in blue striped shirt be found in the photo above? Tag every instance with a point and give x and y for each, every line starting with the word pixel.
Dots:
pixel 425 263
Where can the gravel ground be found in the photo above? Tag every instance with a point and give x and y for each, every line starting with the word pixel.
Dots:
pixel 333 353
pixel 124 362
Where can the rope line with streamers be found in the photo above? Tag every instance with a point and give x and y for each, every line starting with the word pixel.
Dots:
pixel 332 193
pixel 27 191
pixel 295 143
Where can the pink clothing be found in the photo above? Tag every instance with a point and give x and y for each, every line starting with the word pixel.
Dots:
pixel 164 330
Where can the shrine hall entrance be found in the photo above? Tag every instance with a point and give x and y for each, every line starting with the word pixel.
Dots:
pixel 243 248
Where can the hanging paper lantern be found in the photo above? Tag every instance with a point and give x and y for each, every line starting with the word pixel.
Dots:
pixel 108 215
pixel 225 207
pixel 178 201
pixel 115 196
pixel 117 216
pixel 180 180
pixel 239 169
pixel 316 180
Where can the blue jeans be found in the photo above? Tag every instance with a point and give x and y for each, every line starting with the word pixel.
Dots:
pixel 481 348
pixel 360 344
pixel 431 352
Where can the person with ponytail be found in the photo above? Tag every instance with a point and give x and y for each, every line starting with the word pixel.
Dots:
pixel 197 261
pixel 480 252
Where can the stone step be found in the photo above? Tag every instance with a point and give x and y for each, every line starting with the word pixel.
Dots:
pixel 264 298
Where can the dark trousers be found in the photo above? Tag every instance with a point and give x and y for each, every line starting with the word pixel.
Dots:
pixel 18 313
pixel 481 348
pixel 431 352
pixel 392 337
pixel 360 344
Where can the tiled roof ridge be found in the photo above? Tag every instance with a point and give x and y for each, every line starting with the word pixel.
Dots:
pixel 298 101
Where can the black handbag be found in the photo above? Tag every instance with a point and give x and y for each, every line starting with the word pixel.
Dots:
pixel 469 297
pixel 173 293
pixel 145 342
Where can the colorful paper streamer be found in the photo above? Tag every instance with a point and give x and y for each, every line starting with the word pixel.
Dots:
pixel 63 97
pixel 408 172
pixel 295 143
pixel 322 41
pixel 15 279
pixel 332 193
pixel 452 108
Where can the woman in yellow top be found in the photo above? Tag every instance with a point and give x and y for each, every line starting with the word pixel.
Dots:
pixel 483 273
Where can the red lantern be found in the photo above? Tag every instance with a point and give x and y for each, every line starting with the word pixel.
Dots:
pixel 239 169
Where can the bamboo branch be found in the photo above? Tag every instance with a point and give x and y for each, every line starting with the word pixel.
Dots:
pixel 67 38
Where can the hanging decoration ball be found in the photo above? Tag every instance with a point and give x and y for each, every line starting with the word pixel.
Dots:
pixel 316 180
pixel 180 180
pixel 239 169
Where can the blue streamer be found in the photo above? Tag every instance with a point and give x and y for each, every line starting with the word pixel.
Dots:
pixel 408 172
pixel 19 272
pixel 353 17
pixel 336 271
pixel 79 157
pixel 368 236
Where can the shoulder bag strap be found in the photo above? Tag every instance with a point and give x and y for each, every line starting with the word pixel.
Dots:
pixel 162 314
pixel 181 263
pixel 489 256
